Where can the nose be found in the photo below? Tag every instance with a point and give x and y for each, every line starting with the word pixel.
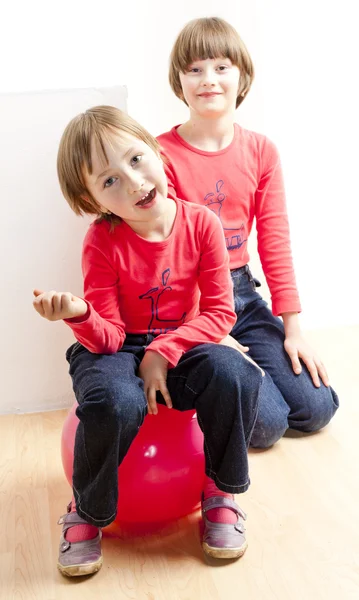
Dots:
pixel 134 181
pixel 209 77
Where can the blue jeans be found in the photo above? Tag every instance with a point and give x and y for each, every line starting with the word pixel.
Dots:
pixel 286 400
pixel 215 380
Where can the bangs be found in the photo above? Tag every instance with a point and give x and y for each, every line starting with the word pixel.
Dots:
pixel 206 38
pixel 96 136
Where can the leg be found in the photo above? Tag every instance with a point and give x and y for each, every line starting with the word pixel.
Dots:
pixel 223 387
pixel 112 407
pixel 310 408
pixel 272 418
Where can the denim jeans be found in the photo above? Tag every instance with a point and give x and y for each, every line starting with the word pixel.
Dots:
pixel 286 400
pixel 215 380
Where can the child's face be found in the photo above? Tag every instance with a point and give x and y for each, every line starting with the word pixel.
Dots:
pixel 210 86
pixel 133 184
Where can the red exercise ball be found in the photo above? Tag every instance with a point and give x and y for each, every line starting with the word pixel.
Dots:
pixel 161 477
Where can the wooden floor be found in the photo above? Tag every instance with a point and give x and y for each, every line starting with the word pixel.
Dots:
pixel 303 524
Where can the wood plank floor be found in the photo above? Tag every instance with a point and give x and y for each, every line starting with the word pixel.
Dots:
pixel 302 510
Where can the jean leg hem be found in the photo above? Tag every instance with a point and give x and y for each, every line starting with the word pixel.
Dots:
pixel 89 518
pixel 92 521
pixel 225 487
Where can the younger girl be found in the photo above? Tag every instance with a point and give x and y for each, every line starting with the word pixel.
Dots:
pixel 236 173
pixel 158 298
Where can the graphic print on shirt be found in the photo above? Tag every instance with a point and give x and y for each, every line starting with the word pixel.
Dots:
pixel 156 324
pixel 215 203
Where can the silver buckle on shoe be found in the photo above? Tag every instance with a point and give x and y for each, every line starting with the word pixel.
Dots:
pixel 65 545
pixel 240 527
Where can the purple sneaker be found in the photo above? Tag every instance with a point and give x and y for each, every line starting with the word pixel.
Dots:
pixel 223 540
pixel 78 558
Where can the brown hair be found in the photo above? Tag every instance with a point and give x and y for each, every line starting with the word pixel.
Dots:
pixel 74 158
pixel 210 37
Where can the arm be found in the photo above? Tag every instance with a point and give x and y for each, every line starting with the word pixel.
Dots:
pixel 275 253
pixel 96 320
pixel 101 330
pixel 273 233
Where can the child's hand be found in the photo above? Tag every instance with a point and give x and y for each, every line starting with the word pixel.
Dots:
pixel 297 348
pixel 55 306
pixel 232 343
pixel 153 371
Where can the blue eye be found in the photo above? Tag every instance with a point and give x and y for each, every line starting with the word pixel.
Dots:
pixel 109 182
pixel 136 159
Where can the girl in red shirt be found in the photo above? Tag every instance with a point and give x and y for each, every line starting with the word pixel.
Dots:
pixel 157 300
pixel 236 174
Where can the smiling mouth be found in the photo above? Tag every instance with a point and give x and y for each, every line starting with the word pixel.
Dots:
pixel 147 198
pixel 209 94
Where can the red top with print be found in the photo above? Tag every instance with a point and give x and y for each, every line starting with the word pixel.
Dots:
pixel 178 289
pixel 239 183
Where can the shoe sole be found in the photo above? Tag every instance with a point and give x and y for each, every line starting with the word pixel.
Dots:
pixel 224 552
pixel 80 570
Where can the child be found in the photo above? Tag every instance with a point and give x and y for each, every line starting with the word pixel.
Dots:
pixel 236 173
pixel 158 298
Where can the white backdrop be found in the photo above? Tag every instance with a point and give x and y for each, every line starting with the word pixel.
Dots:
pixel 305 98
pixel 40 244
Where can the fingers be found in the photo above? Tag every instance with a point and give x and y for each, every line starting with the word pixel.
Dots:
pixel 242 348
pixel 47 301
pixel 322 372
pixel 312 368
pixel 54 305
pixel 151 393
pixel 37 292
pixel 314 365
pixel 309 363
pixel 151 401
pixel 43 303
pixel 293 355
pixel 165 393
pixel 232 343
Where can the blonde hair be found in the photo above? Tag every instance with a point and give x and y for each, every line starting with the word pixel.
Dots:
pixel 210 37
pixel 74 157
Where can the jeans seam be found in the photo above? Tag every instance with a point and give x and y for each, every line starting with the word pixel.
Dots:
pixel 205 444
pixel 241 485
pixel 193 391
pixel 85 513
pixel 248 433
pixel 87 460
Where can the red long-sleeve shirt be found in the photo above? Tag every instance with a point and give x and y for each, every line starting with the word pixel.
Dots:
pixel 179 288
pixel 239 183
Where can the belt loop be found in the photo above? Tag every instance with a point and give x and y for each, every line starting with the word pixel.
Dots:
pixel 149 339
pixel 249 275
